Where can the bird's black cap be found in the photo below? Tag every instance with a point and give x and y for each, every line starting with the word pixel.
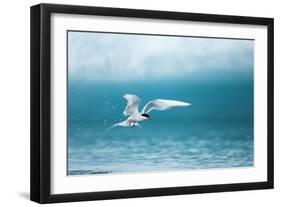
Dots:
pixel 146 115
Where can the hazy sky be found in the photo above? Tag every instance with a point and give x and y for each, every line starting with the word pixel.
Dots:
pixel 120 57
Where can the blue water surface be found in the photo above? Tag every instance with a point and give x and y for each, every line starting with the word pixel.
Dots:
pixel 215 132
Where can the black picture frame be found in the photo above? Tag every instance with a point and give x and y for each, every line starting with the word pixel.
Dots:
pixel 41 98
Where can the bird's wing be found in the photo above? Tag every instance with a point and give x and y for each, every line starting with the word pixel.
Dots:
pixel 162 104
pixel 133 103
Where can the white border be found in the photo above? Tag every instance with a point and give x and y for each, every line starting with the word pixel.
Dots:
pixel 60 183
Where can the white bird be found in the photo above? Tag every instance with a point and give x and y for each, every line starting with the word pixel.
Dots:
pixel 132 109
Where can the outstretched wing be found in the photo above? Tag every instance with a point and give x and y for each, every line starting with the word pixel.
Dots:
pixel 133 103
pixel 162 104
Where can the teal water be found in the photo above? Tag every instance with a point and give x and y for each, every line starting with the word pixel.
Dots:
pixel 215 132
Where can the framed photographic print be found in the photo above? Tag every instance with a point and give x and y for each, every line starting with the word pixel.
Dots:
pixel 133 103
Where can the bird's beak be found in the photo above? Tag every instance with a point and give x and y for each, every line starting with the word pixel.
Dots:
pixel 150 118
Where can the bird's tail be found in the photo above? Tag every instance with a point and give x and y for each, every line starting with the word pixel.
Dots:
pixel 125 123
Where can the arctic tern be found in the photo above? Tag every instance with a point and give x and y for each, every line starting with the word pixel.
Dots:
pixel 132 109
